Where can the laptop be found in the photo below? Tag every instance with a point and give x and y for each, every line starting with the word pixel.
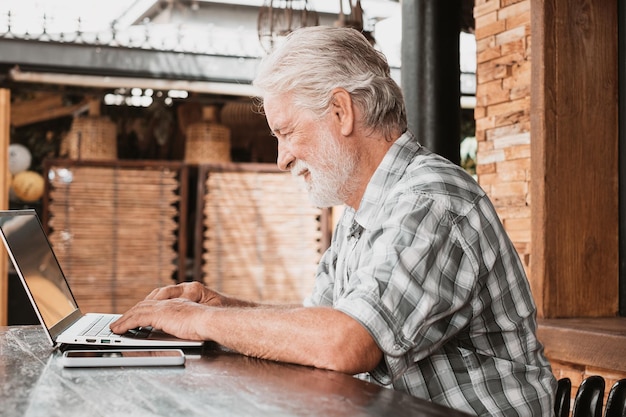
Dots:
pixel 49 292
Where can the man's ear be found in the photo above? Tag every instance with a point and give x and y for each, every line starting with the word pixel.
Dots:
pixel 342 111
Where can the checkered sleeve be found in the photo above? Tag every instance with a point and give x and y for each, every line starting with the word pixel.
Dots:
pixel 414 292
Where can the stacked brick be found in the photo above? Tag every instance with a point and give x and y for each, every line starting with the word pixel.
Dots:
pixel 503 113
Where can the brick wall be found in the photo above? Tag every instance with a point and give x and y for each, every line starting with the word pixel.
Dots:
pixel 503 132
pixel 503 113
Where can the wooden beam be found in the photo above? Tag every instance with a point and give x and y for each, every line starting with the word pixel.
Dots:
pixel 44 107
pixel 574 158
pixel 599 342
pixel 5 112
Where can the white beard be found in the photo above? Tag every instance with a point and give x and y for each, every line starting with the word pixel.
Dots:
pixel 329 180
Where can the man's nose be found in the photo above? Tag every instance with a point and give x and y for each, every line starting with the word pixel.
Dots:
pixel 285 158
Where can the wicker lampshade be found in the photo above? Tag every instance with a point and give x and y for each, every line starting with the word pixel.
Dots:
pixel 91 137
pixel 207 141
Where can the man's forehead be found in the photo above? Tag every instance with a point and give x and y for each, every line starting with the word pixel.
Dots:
pixel 272 100
pixel 277 112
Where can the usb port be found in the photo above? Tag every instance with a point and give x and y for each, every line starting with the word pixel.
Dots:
pixel 105 341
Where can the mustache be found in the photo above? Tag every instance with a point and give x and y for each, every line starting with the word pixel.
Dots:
pixel 299 168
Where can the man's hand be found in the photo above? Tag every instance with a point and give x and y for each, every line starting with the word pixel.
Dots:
pixel 314 336
pixel 192 291
pixel 180 310
pixel 198 293
pixel 179 317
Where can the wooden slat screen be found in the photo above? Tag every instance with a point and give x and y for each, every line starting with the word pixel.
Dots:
pixel 260 238
pixel 116 229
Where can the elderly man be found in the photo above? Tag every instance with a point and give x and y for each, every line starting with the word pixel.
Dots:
pixel 421 288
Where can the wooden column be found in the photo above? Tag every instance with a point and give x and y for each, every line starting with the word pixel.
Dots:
pixel 5 107
pixel 574 157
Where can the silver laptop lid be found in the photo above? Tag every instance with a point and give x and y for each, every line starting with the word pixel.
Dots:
pixel 39 270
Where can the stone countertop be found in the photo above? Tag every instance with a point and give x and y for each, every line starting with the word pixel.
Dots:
pixel 213 382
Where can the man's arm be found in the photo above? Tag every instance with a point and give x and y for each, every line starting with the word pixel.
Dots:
pixel 315 336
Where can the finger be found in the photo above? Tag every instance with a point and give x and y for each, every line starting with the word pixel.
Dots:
pixel 165 293
pixel 192 291
pixel 141 315
pixel 197 292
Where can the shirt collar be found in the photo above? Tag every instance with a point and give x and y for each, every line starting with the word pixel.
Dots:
pixel 388 173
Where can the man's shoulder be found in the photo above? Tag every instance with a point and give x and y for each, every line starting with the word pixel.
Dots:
pixel 432 175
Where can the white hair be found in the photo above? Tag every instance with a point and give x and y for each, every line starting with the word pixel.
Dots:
pixel 313 61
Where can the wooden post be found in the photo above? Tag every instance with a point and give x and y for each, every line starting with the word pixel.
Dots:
pixel 574 158
pixel 5 111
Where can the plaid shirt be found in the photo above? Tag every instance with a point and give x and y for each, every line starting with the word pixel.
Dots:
pixel 426 266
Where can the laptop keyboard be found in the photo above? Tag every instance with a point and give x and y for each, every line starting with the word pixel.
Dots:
pixel 100 328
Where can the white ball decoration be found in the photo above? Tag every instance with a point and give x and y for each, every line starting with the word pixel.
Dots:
pixel 19 158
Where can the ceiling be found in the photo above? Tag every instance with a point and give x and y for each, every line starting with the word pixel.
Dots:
pixel 139 42
pixel 96 16
pixel 201 45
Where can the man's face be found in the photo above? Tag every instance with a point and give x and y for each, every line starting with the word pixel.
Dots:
pixel 312 149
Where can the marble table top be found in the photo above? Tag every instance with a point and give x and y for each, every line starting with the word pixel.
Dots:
pixel 213 382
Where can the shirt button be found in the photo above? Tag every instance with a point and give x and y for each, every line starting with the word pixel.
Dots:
pixel 397 347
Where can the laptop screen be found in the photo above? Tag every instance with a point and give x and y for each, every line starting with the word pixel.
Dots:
pixel 34 260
